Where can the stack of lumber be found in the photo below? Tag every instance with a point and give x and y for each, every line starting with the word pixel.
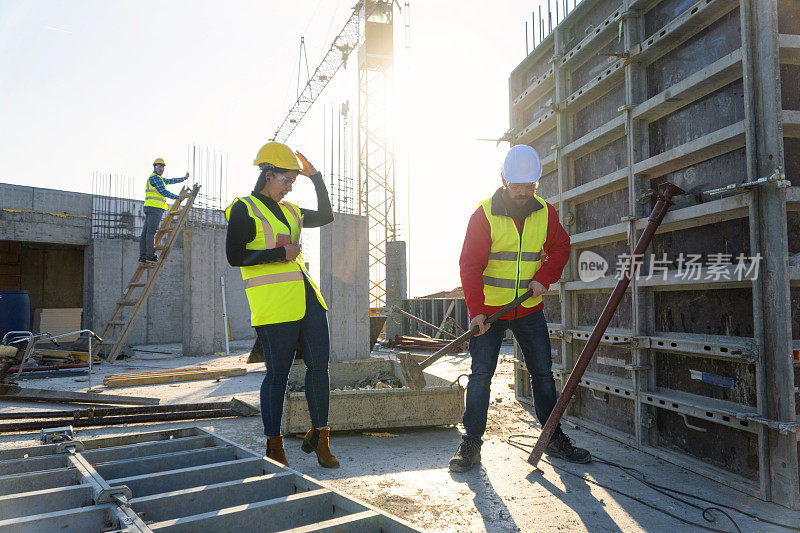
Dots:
pixel 170 376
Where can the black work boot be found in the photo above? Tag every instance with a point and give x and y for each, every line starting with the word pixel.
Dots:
pixel 561 446
pixel 152 258
pixel 467 456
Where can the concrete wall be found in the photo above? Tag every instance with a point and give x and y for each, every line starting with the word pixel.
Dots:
pixel 31 214
pixel 204 262
pixel 344 273
pixel 186 303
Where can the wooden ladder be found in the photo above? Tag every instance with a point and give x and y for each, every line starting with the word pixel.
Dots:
pixel 118 327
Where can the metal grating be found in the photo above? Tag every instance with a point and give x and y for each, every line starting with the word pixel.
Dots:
pixel 177 480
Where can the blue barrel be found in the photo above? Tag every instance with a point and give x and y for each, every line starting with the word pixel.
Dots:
pixel 15 311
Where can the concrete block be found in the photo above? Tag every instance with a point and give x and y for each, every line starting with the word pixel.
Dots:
pixel 396 285
pixel 438 404
pixel 344 282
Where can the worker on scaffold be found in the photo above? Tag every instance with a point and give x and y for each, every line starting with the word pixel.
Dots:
pixel 514 242
pixel 155 203
pixel 286 307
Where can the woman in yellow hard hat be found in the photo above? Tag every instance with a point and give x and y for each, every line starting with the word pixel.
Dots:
pixel 286 307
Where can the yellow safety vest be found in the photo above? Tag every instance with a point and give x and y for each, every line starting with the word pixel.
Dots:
pixel 275 291
pixel 513 261
pixel 153 198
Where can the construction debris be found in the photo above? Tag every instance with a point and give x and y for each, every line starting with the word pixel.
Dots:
pixel 406 342
pixel 115 416
pixel 379 380
pixel 170 376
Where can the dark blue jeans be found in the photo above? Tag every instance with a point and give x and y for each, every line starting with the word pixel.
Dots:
pixel 279 342
pixel 152 219
pixel 531 334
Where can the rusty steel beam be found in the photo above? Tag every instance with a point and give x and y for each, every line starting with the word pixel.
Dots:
pixel 665 194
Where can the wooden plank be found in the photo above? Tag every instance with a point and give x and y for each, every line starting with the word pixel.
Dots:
pixel 157 372
pixel 173 378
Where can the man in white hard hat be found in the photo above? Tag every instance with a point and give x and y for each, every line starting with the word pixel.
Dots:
pixel 514 242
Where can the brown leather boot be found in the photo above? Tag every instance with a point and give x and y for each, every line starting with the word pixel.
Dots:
pixel 275 450
pixel 317 440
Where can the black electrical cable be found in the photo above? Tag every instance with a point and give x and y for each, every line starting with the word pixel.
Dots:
pixel 660 488
pixel 705 510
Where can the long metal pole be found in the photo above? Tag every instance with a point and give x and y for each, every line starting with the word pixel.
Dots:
pixel 665 194
pixel 225 316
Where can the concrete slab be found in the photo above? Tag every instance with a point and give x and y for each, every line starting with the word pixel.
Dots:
pixel 405 472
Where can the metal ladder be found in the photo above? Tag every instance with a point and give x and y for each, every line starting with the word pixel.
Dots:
pixel 117 329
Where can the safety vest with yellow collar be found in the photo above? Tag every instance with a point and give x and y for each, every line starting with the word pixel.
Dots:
pixel 153 198
pixel 275 291
pixel 513 260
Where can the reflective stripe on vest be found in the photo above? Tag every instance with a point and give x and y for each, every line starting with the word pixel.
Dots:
pixel 153 198
pixel 512 262
pixel 275 291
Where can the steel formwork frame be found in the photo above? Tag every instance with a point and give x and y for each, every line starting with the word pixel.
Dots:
pixel 549 70
pixel 174 480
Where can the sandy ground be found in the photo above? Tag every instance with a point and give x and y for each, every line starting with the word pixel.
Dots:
pixel 405 472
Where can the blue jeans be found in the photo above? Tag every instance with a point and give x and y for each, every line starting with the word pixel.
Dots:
pixel 152 219
pixel 531 334
pixel 279 342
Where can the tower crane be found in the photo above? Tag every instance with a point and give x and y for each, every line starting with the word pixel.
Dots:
pixel 376 149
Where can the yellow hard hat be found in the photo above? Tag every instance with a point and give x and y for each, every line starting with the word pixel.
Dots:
pixel 159 161
pixel 278 155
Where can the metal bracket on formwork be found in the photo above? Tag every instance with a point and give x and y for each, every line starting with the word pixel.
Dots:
pixel 778 178
pixel 118 494
pixel 631 220
pixel 555 60
pixel 55 435
pixel 562 334
pixel 648 421
pixel 692 426
pixel 603 399
pixel 635 343
pixel 784 428
pixel 73 446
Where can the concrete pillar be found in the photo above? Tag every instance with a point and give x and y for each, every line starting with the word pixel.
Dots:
pixel 396 285
pixel 344 282
pixel 202 309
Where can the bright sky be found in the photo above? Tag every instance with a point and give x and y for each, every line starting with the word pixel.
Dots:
pixel 93 85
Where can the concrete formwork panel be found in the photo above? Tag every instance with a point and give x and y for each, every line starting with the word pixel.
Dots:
pixel 701 94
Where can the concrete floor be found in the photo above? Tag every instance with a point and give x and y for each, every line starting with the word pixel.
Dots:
pixel 405 472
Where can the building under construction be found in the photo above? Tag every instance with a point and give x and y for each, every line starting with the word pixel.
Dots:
pixel 690 404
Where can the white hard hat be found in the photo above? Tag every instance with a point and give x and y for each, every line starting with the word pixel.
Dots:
pixel 522 165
